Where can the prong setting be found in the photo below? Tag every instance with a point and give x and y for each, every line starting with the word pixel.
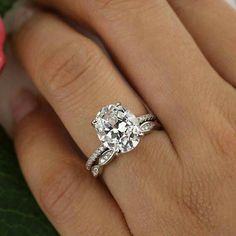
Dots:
pixel 117 153
pixel 93 123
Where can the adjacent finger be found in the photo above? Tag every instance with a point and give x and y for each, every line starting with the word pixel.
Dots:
pixel 74 202
pixel 73 74
pixel 212 24
pixel 77 79
pixel 161 60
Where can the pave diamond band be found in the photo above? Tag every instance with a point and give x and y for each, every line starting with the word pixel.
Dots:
pixel 119 131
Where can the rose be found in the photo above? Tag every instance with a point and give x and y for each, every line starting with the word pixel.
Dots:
pixel 2 40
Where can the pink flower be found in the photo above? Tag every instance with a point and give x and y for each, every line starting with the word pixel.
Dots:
pixel 2 40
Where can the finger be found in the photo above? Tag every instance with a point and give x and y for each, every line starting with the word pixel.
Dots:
pixel 77 79
pixel 161 60
pixel 212 24
pixel 72 200
pixel 73 74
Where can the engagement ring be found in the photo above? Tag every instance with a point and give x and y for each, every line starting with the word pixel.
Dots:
pixel 119 131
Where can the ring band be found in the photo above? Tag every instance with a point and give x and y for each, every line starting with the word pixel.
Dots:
pixel 119 131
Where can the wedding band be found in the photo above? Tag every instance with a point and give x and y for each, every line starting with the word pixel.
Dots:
pixel 119 131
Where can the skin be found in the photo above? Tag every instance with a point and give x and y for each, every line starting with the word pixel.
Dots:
pixel 179 59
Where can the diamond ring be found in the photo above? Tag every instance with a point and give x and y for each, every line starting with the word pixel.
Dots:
pixel 119 131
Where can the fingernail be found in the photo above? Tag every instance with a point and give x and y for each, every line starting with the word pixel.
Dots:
pixel 17 17
pixel 23 104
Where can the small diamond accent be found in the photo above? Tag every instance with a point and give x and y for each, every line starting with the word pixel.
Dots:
pixel 147 126
pixel 106 158
pixel 147 117
pixel 94 156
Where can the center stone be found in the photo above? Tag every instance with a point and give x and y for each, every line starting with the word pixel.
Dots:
pixel 117 128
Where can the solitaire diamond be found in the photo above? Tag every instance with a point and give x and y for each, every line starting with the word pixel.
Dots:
pixel 117 128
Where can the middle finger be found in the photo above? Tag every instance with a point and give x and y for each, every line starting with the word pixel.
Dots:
pixel 172 75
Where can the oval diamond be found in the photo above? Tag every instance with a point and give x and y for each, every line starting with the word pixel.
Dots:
pixel 117 128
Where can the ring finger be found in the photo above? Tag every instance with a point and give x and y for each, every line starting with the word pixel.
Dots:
pixel 77 79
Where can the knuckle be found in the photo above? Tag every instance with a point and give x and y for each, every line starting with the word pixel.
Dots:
pixel 59 191
pixel 64 69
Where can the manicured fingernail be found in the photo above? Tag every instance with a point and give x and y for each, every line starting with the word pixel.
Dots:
pixel 23 104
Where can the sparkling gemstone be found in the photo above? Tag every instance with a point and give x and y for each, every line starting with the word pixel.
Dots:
pixel 147 126
pixel 117 128
pixel 106 158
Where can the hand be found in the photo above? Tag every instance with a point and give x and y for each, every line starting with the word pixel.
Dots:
pixel 179 181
